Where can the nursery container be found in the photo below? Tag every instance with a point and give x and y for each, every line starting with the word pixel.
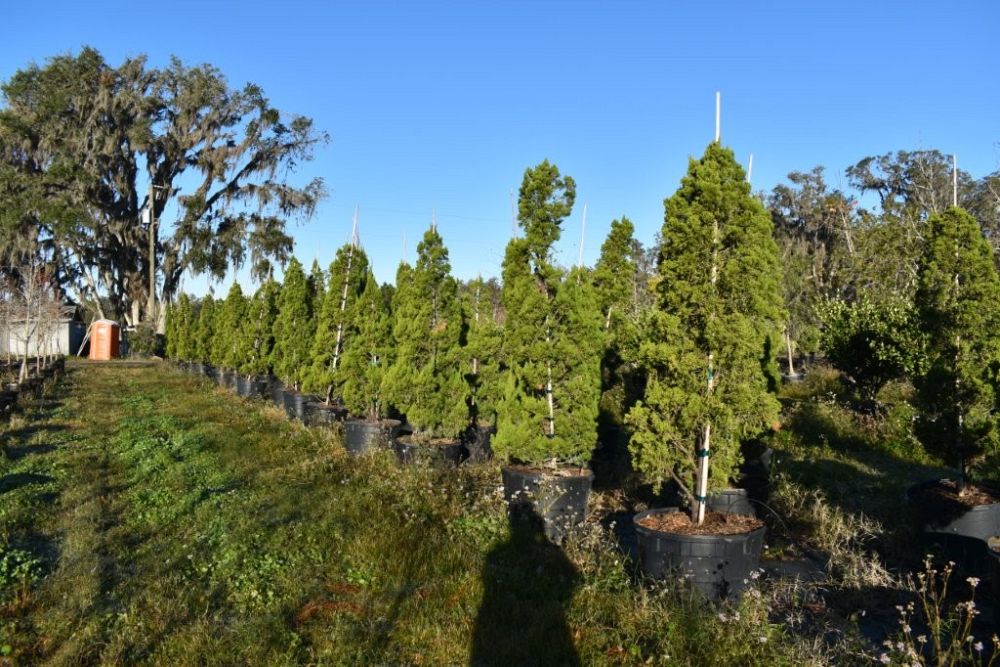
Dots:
pixel 478 443
pixel 324 415
pixel 451 453
pixel 731 501
pixel 717 566
pixel 298 405
pixel 361 436
pixel 559 499
pixel 960 531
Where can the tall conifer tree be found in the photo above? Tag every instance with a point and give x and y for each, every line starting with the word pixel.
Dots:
pixel 552 337
pixel 226 345
pixel 719 304
pixel 958 305
pixel 205 330
pixel 257 331
pixel 482 349
pixel 293 327
pixel 367 354
pixel 346 282
pixel 426 382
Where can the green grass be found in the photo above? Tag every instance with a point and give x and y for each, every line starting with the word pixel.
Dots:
pixel 146 517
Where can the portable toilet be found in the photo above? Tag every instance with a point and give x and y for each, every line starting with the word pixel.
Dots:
pixel 104 337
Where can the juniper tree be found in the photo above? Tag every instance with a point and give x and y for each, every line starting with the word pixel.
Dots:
pixel 346 282
pixel 617 283
pixel 552 337
pixel 184 328
pixel 367 353
pixel 293 327
pixel 170 331
pixel 426 381
pixel 317 285
pixel 229 320
pixel 257 331
pixel 718 306
pixel 482 348
pixel 205 330
pixel 958 305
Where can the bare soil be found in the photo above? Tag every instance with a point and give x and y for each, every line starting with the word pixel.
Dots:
pixel 716 523
pixel 552 472
pixel 946 493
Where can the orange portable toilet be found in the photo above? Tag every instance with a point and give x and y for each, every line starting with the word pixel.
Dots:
pixel 104 336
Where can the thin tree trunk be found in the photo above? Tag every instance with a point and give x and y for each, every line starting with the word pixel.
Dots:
pixel 791 358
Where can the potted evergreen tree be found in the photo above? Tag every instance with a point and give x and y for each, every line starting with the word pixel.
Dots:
pixel 293 335
pixel 226 347
pixel 481 353
pixel 347 277
pixel 617 283
pixel 706 355
pixel 958 309
pixel 203 336
pixel 257 340
pixel 547 414
pixel 426 381
pixel 184 331
pixel 367 354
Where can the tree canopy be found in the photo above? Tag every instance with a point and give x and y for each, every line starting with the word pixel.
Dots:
pixel 84 144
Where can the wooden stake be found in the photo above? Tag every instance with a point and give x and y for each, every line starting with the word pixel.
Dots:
pixel 718 116
pixel 750 169
pixel 954 181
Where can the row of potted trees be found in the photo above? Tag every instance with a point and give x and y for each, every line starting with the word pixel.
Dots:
pixel 29 380
pixel 532 365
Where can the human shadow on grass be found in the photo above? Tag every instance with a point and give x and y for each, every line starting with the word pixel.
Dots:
pixel 527 584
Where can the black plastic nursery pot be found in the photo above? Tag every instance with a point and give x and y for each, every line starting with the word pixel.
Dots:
pixel 227 379
pixel 731 501
pixel 444 453
pixel 323 414
pixel 961 532
pixel 361 435
pixel 478 443
pixel 298 405
pixel 251 387
pixel 558 497
pixel 716 566
pixel 994 553
pixel 276 391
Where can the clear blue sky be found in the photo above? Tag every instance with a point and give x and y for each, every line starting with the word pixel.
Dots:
pixel 442 105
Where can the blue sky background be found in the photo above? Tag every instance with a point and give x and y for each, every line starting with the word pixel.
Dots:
pixel 442 105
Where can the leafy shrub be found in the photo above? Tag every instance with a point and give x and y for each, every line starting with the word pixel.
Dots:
pixel 143 341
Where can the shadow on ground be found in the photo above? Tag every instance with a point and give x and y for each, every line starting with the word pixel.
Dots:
pixel 528 582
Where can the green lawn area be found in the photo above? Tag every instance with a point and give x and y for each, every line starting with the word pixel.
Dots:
pixel 148 517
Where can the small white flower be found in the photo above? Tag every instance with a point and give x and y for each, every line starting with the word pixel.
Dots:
pixel 973 581
pixel 762 639
pixel 978 646
pixel 922 639
pixel 884 659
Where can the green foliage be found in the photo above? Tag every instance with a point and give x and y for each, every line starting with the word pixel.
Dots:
pixel 293 328
pixel 257 331
pixel 958 306
pixel 230 319
pixel 367 354
pixel 426 381
pixel 184 328
pixel 143 341
pixel 616 280
pixel 205 330
pixel 347 275
pixel 171 331
pixel 719 304
pixel 483 348
pixel 79 136
pixel 871 342
pixel 552 338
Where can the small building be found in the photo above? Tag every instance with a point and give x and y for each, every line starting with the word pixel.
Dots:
pixel 105 337
pixel 63 335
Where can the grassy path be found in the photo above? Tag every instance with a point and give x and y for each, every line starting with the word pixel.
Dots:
pixel 146 517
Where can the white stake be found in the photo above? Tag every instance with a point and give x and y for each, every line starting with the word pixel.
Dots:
pixel 434 220
pixel 513 215
pixel 718 116
pixel 954 180
pixel 354 228
pixel 750 168
pixel 583 230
